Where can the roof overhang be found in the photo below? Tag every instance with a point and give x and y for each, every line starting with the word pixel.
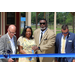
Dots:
pixel 73 13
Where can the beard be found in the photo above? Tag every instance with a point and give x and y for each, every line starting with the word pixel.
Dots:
pixel 43 28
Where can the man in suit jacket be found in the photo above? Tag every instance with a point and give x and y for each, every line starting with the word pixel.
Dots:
pixel 69 46
pixel 45 44
pixel 8 42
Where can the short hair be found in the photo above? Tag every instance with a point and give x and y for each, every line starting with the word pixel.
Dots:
pixel 24 32
pixel 44 19
pixel 64 27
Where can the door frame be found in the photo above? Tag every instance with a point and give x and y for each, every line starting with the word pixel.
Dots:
pixel 0 24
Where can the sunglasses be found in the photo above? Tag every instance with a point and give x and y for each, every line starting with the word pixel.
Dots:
pixel 27 27
pixel 42 23
pixel 64 33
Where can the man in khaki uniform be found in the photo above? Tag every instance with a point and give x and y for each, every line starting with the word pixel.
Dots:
pixel 45 40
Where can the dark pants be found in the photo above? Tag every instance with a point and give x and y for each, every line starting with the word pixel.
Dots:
pixel 14 59
pixel 38 59
pixel 62 60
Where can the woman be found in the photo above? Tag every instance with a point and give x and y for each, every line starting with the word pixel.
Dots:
pixel 25 43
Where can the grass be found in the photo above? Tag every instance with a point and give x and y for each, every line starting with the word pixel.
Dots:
pixel 58 28
pixel 58 32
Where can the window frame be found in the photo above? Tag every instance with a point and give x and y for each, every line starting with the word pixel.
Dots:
pixel 6 19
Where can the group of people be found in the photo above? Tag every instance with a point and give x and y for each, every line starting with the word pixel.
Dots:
pixel 43 41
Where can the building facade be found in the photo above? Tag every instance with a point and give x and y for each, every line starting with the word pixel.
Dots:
pixel 7 18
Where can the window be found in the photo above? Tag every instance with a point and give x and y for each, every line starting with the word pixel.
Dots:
pixel 0 23
pixel 10 18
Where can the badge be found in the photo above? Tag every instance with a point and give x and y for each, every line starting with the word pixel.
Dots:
pixel 8 41
pixel 69 40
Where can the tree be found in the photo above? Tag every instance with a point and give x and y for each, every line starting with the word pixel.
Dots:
pixel 33 17
pixel 23 14
pixel 51 16
pixel 62 17
pixel 69 19
pixel 59 18
pixel 40 16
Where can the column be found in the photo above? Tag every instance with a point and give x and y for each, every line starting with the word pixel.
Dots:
pixel 29 18
pixel 36 19
pixel 26 18
pixel 44 14
pixel 55 22
pixel 2 23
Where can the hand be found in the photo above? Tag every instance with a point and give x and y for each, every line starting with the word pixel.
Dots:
pixel 56 60
pixel 29 57
pixel 73 60
pixel 16 61
pixel 35 48
pixel 10 60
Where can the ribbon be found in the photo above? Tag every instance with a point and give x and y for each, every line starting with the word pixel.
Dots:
pixel 32 53
pixel 37 55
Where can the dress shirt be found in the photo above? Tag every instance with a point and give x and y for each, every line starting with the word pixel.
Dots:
pixel 42 35
pixel 12 44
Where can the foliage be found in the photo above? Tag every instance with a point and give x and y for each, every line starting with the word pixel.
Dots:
pixel 23 14
pixel 69 19
pixel 62 17
pixel 33 17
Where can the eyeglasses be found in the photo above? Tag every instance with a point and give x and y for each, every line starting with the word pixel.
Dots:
pixel 42 23
pixel 28 31
pixel 64 33
pixel 12 32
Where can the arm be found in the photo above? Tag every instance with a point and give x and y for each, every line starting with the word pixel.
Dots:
pixel 74 43
pixel 74 48
pixel 20 48
pixel 2 48
pixel 46 44
pixel 49 44
pixel 1 45
pixel 56 48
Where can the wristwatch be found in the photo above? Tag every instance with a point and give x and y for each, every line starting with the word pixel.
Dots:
pixel 39 48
